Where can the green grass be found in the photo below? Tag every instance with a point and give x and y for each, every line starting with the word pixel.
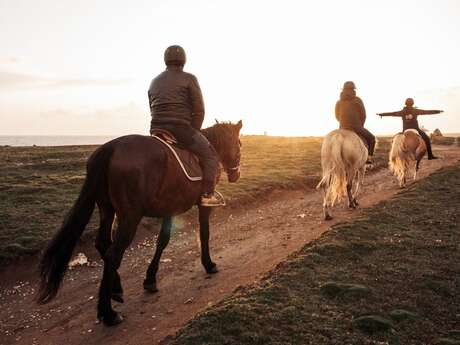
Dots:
pixel 445 141
pixel 405 251
pixel 39 184
pixel 281 162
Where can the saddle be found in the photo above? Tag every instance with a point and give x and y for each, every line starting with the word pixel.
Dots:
pixel 187 161
pixel 411 130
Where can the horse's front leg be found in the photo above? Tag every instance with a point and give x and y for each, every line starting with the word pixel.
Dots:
pixel 150 282
pixel 204 213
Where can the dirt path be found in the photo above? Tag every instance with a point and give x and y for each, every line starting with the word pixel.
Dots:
pixel 245 243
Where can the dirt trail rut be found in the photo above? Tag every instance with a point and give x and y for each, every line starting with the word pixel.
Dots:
pixel 245 243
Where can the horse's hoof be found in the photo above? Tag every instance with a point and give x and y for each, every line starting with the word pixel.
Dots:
pixel 355 202
pixel 111 320
pixel 118 297
pixel 213 269
pixel 150 287
pixel 327 217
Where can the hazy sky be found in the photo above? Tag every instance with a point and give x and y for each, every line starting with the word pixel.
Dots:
pixel 84 67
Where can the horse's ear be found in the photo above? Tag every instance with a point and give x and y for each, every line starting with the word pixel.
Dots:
pixel 217 122
pixel 240 124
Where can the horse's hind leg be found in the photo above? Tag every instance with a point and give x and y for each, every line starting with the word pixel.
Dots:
pixel 150 283
pixel 417 167
pixel 359 181
pixel 112 259
pixel 204 213
pixel 103 242
pixel 351 201
pixel 327 216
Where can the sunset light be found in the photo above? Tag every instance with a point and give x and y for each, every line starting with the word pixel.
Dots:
pixel 84 67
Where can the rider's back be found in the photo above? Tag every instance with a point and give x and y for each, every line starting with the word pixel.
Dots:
pixel 349 111
pixel 171 97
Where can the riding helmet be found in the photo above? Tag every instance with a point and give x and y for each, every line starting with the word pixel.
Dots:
pixel 409 102
pixel 175 55
pixel 349 85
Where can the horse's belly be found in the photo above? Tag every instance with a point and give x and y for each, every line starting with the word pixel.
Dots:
pixel 174 199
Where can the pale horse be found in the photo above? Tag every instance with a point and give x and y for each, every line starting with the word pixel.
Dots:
pixel 343 161
pixel 407 150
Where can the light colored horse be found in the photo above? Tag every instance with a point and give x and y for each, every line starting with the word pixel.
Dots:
pixel 343 159
pixel 407 150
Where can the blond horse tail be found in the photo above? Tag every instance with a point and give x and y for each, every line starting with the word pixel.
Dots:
pixel 400 157
pixel 334 170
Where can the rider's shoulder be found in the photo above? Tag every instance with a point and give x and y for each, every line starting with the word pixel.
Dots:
pixel 190 76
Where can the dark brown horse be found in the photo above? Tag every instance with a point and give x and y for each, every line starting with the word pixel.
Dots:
pixel 133 176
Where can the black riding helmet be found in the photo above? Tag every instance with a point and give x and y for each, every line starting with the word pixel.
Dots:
pixel 175 55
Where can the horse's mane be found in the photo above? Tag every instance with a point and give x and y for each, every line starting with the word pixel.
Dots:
pixel 219 134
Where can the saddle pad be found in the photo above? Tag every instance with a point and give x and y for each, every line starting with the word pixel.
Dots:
pixel 187 161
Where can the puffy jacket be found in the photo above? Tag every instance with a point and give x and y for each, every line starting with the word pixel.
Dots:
pixel 350 111
pixel 175 98
pixel 409 116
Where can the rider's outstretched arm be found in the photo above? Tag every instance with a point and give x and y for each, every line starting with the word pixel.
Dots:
pixel 197 104
pixel 428 112
pixel 394 113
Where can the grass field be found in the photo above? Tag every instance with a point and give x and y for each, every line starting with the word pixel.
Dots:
pixel 39 184
pixel 390 277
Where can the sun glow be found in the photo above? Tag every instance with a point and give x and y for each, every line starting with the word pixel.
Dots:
pixel 279 66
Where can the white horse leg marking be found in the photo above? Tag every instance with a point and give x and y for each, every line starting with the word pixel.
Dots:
pixel 112 231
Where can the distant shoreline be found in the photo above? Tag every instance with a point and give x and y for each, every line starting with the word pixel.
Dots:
pixel 77 140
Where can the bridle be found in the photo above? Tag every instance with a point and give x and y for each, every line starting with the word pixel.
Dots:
pixel 236 167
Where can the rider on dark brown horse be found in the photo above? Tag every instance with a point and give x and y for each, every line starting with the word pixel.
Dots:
pixel 351 114
pixel 176 105
pixel 409 117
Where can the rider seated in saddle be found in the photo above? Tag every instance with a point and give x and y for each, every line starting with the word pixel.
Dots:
pixel 409 117
pixel 176 105
pixel 351 114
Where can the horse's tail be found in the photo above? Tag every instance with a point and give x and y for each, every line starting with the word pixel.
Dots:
pixel 56 257
pixel 400 156
pixel 334 169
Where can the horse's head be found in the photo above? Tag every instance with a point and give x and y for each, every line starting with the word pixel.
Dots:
pixel 225 137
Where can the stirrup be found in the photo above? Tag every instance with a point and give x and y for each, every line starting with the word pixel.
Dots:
pixel 214 200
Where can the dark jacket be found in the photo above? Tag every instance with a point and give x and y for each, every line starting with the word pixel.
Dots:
pixel 175 99
pixel 409 116
pixel 350 111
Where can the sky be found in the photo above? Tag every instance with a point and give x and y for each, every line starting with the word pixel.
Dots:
pixel 84 67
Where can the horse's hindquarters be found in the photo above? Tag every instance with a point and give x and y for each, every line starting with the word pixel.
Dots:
pixel 343 158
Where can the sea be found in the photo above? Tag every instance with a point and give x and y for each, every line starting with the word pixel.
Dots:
pixel 53 140
pixel 68 140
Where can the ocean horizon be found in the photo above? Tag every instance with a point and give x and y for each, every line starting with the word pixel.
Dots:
pixel 72 140
pixel 54 140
